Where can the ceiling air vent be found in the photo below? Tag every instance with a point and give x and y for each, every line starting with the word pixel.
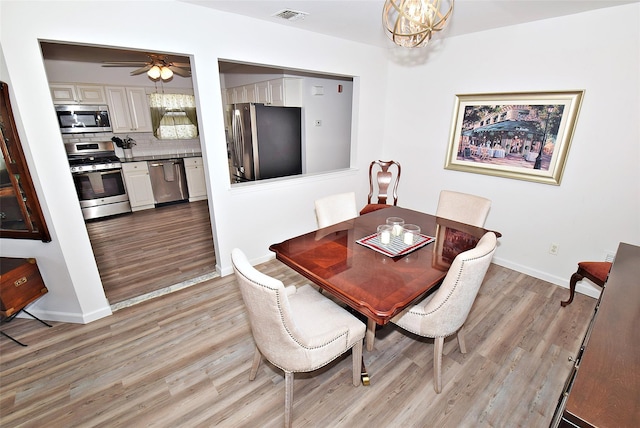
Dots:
pixel 290 15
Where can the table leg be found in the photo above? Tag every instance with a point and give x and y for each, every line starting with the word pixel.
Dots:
pixel 371 333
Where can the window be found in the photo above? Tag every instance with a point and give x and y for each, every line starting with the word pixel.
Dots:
pixel 173 116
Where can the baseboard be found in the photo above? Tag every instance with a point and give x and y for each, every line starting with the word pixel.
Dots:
pixel 583 287
pixel 67 316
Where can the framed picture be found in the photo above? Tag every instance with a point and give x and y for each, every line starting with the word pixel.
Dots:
pixel 524 136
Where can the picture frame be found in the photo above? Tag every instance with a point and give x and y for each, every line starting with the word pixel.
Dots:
pixel 518 135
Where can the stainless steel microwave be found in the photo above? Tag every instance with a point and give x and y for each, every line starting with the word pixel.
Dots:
pixel 75 118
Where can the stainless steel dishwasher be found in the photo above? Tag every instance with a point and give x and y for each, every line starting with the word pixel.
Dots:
pixel 168 181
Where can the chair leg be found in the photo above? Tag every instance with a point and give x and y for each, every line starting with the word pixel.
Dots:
pixel 257 356
pixel 461 343
pixel 288 398
pixel 437 364
pixel 356 356
pixel 572 288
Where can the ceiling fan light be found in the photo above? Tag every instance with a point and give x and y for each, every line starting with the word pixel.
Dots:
pixel 166 73
pixel 154 72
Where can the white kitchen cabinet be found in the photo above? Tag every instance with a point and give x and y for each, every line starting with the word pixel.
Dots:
pixel 129 108
pixel 138 182
pixel 250 90
pixel 225 96
pixel 286 92
pixel 194 171
pixel 228 96
pixel 69 93
pixel 263 94
pixel 238 95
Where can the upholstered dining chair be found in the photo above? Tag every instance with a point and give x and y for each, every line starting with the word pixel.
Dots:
pixel 463 207
pixel 336 208
pixel 296 329
pixel 596 272
pixel 382 176
pixel 444 312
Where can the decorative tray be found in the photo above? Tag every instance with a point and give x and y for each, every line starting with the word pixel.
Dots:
pixel 396 247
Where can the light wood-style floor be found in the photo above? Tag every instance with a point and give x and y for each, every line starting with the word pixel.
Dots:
pixel 182 360
pixel 149 250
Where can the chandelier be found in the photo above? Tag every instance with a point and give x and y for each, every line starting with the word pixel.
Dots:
pixel 411 23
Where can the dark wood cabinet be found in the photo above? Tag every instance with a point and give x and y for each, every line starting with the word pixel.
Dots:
pixel 20 212
pixel 604 388
pixel 20 284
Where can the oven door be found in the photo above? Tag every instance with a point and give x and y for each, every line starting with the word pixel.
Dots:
pixel 101 193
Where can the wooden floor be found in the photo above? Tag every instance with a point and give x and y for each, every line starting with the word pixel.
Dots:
pixel 149 250
pixel 182 360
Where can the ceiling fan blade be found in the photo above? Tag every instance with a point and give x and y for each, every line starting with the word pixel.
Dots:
pixel 124 64
pixel 181 64
pixel 179 71
pixel 141 70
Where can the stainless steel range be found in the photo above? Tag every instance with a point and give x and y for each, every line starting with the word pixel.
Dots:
pixel 97 175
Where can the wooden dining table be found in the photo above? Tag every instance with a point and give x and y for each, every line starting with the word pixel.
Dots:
pixel 376 285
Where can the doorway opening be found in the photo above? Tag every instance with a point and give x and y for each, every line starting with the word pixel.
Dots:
pixel 156 248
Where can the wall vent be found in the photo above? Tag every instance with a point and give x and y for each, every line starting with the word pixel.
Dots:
pixel 290 15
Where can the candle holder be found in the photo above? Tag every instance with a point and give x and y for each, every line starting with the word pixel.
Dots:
pixel 396 224
pixel 410 234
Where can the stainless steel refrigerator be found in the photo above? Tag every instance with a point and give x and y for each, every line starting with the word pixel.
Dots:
pixel 264 141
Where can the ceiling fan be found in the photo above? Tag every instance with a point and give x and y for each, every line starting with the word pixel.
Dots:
pixel 158 67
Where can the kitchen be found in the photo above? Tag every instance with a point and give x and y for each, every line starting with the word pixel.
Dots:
pixel 86 76
pixel 130 183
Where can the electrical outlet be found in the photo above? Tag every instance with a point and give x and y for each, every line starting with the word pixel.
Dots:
pixel 553 249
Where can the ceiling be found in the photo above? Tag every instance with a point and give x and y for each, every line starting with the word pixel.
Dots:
pixel 361 20
pixel 82 53
pixel 356 20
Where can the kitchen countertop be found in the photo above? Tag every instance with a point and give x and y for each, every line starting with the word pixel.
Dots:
pixel 161 157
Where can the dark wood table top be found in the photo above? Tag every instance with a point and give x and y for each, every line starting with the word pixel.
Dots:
pixel 606 390
pixel 373 284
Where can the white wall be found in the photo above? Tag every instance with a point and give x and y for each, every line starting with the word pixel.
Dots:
pixel 249 218
pixel 63 302
pixel 327 147
pixel 597 204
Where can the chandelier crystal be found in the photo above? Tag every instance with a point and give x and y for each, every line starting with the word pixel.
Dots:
pixel 411 23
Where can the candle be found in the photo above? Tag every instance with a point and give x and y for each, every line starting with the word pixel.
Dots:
pixel 397 230
pixel 408 238
pixel 385 237
pixel 411 234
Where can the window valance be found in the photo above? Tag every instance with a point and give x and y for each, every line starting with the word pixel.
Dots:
pixel 173 116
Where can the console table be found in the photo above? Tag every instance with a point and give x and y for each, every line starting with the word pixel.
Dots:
pixel 604 387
